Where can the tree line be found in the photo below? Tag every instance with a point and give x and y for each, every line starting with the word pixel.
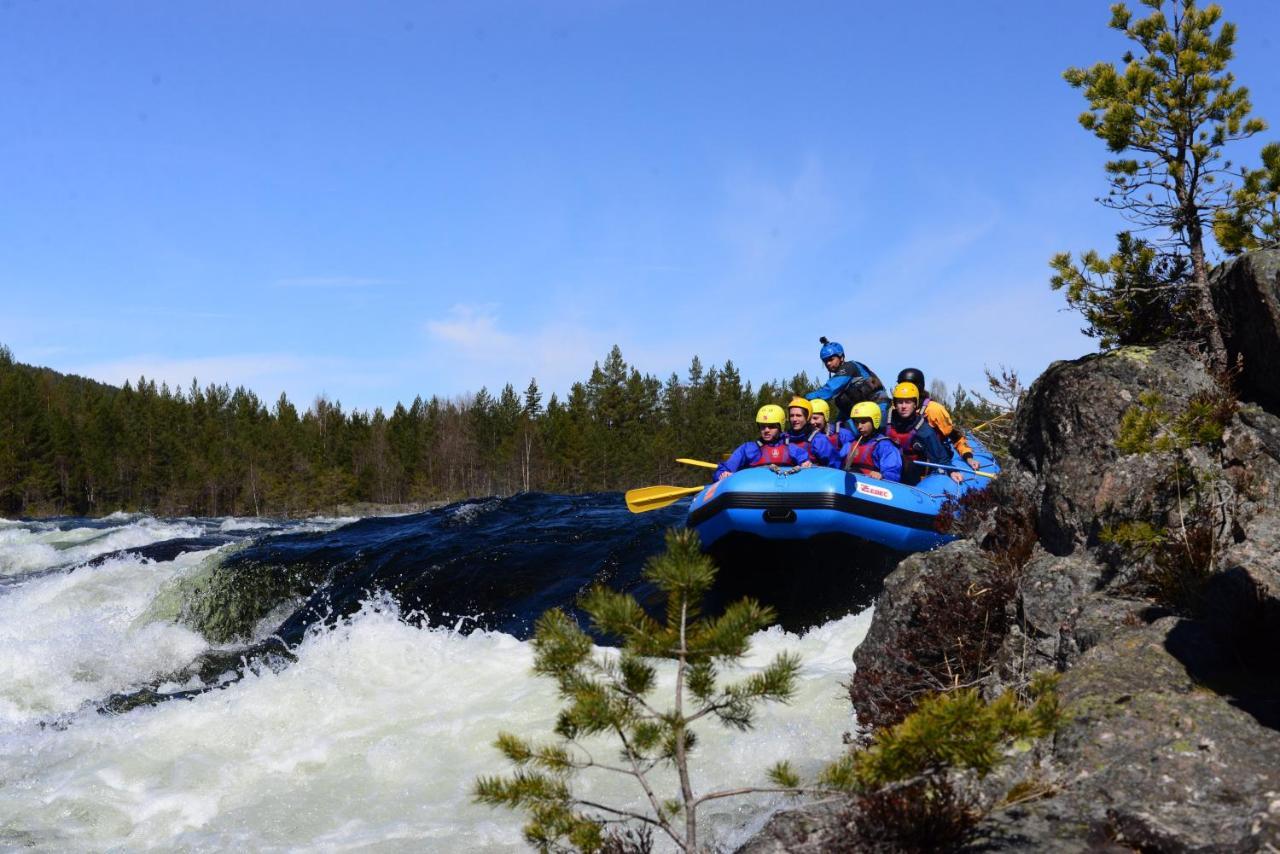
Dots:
pixel 70 445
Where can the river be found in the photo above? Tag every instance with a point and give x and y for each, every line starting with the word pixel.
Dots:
pixel 336 684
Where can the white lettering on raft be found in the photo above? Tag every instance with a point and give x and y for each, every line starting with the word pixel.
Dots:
pixel 875 491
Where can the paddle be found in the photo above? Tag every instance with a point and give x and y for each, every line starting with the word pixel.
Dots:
pixel 965 470
pixel 704 465
pixel 648 498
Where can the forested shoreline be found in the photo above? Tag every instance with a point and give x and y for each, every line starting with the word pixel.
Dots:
pixel 70 445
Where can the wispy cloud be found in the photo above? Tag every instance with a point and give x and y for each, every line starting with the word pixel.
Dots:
pixel 332 282
pixel 482 351
pixel 472 328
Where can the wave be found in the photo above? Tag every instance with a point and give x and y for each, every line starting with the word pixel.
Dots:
pixel 372 737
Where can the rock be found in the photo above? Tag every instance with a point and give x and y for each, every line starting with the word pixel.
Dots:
pixel 1065 429
pixel 1055 593
pixel 1246 295
pixel 1171 740
pixel 942 611
pixel 1151 760
pixel 810 829
pixel 1251 456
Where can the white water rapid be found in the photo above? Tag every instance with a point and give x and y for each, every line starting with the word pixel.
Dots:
pixel 371 740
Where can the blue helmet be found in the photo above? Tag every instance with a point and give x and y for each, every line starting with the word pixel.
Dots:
pixel 829 349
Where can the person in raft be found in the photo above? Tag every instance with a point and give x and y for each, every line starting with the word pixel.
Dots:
pixel 837 434
pixel 769 450
pixel 939 418
pixel 802 434
pixel 871 453
pixel 916 440
pixel 850 382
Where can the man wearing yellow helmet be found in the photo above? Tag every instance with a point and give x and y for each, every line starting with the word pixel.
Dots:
pixel 916 440
pixel 837 434
pixel 802 434
pixel 769 450
pixel 871 453
pixel 938 417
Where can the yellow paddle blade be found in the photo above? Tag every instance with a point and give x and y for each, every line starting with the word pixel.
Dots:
pixel 648 498
pixel 689 462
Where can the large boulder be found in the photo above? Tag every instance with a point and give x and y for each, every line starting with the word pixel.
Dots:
pixel 1246 295
pixel 1065 429
pixel 1150 760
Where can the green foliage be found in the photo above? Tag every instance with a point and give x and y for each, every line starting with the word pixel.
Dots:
pixel 1175 560
pixel 1148 425
pixel 1173 563
pixel 71 445
pixel 1139 538
pixel 1253 220
pixel 611 695
pixel 953 730
pixel 1134 296
pixel 1167 111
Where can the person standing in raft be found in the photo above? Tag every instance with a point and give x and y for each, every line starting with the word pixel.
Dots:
pixel 837 434
pixel 871 453
pixel 769 450
pixel 915 439
pixel 939 418
pixel 851 382
pixel 802 434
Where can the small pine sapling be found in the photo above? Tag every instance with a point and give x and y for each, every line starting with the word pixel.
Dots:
pixel 612 695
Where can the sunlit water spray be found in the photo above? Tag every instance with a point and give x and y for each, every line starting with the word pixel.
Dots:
pixel 371 739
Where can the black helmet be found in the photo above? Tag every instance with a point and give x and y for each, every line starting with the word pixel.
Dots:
pixel 915 376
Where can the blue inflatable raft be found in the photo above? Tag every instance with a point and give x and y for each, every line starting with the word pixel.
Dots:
pixel 816 501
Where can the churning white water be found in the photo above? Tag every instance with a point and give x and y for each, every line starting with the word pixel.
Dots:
pixel 371 740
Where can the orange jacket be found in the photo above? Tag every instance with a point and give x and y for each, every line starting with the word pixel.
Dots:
pixel 940 419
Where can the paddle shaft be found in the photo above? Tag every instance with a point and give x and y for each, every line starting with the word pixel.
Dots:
pixel 965 470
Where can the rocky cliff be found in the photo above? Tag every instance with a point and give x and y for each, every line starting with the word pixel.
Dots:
pixel 1133 547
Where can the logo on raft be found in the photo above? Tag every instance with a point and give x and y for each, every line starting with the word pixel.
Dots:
pixel 875 491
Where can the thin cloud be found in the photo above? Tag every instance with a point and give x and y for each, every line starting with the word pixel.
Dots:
pixel 473 328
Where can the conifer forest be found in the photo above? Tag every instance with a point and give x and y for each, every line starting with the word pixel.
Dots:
pixel 70 445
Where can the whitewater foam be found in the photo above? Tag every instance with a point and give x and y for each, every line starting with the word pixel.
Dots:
pixel 372 738
pixel 70 638
pixel 32 546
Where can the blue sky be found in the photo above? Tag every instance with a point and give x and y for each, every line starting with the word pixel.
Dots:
pixel 375 200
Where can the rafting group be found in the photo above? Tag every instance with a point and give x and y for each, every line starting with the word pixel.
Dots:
pixel 894 437
pixel 849 458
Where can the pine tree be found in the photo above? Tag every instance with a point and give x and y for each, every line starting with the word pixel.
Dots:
pixel 532 399
pixel 613 695
pixel 1169 112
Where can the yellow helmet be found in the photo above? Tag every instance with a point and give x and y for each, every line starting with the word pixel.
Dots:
pixel 771 414
pixel 822 407
pixel 866 409
pixel 802 403
pixel 906 391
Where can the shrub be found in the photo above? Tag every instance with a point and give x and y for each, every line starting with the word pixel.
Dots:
pixel 1149 426
pixel 904 799
pixel 956 625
